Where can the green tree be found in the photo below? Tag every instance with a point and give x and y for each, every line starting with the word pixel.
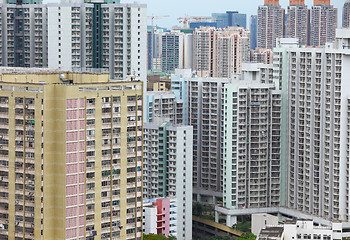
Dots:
pixel 197 209
pixel 152 236
pixel 243 227
pixel 247 236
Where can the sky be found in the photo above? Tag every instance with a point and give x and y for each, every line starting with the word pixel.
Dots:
pixel 178 8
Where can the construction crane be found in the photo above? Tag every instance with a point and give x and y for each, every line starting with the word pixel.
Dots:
pixel 156 17
pixel 186 19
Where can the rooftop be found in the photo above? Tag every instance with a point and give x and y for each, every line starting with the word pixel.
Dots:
pixel 271 232
pixel 43 76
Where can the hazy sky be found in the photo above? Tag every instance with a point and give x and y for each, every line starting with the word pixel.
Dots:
pixel 177 8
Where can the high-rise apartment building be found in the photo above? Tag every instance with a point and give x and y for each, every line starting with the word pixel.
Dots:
pixel 257 72
pixel 71 156
pixel 24 34
pixel 167 169
pixel 205 108
pixel 270 24
pixel 154 42
pixel 176 51
pixel 220 52
pixel 346 15
pixel 232 49
pixel 318 116
pixel 164 106
pixel 75 35
pixel 204 51
pixel 252 130
pixel 298 21
pixel 323 23
pixel 169 50
pixel 179 88
pixel 261 55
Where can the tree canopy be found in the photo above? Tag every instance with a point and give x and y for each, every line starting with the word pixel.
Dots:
pixel 152 236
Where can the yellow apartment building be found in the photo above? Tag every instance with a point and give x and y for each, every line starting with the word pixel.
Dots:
pixel 70 155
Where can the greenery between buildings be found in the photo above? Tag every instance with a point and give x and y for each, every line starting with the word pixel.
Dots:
pixel 152 236
pixel 205 212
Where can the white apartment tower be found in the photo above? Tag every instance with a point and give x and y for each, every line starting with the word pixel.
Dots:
pixel 318 129
pixel 23 34
pixel 167 169
pixel 72 35
pixel 205 111
pixel 252 146
pixel 162 105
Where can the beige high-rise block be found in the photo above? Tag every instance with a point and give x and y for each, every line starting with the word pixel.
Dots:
pixel 298 22
pixel 220 52
pixel 324 22
pixel 270 25
pixel 70 156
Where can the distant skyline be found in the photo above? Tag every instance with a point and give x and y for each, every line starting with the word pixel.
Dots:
pixel 179 8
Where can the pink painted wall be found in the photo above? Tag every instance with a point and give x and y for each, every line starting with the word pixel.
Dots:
pixel 75 168
pixel 163 216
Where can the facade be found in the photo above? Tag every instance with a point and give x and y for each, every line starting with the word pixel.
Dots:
pixel 229 19
pixel 160 217
pixel 301 229
pixel 252 131
pixel 298 22
pixel 76 35
pixel 21 47
pixel 270 24
pixel 194 25
pixel 232 49
pixel 74 170
pixel 257 72
pixel 179 88
pixel 261 55
pixel 236 19
pixel 221 19
pixel 149 218
pixel 205 107
pixel 323 23
pixel 150 33
pixel 164 105
pixel 172 49
pixel 167 170
pixel 220 52
pixel 204 51
pixel 346 15
pixel 319 119
pixel 253 31
pixel 154 51
pixel 261 220
pixel 176 51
